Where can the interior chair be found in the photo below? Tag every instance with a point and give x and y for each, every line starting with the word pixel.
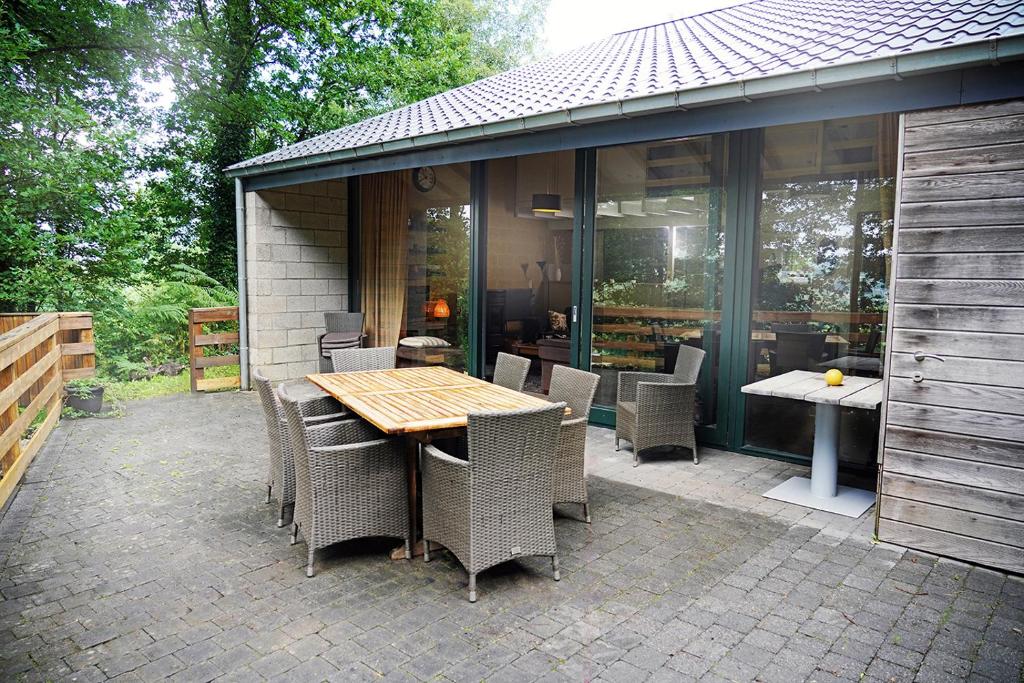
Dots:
pixel 575 388
pixel 349 482
pixel 359 360
pixel 796 351
pixel 511 371
pixel 791 327
pixel 344 331
pixel 281 473
pixel 655 409
pixel 496 505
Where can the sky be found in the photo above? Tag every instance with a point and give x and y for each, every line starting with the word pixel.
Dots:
pixel 572 23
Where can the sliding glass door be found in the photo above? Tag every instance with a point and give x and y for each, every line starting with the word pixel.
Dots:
pixel 659 265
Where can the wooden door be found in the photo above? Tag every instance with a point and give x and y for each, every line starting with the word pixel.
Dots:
pixel 952 474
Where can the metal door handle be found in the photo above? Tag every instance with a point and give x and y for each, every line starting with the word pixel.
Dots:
pixel 919 356
pixel 917 377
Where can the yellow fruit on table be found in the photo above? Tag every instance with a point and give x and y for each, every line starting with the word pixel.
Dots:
pixel 833 378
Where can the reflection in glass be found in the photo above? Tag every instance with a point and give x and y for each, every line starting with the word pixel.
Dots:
pixel 658 260
pixel 439 269
pixel 529 261
pixel 821 270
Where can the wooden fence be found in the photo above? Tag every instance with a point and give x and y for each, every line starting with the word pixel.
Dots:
pixel 38 353
pixel 198 340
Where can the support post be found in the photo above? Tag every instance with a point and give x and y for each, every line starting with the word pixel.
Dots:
pixel 243 299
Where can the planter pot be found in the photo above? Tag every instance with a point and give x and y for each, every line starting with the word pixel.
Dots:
pixel 92 403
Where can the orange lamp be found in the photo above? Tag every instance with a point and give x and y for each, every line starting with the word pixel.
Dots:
pixel 441 309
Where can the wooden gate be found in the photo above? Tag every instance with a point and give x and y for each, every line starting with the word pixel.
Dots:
pixel 952 475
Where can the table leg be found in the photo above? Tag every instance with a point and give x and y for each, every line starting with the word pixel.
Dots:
pixel 825 463
pixel 412 453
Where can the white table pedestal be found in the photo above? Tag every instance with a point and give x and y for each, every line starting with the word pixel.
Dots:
pixel 821 491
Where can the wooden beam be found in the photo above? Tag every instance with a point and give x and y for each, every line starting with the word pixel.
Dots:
pixel 24 338
pixel 17 471
pixel 10 394
pixel 12 434
pixel 216 339
pixel 214 383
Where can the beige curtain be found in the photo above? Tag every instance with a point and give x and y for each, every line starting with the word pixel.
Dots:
pixel 384 236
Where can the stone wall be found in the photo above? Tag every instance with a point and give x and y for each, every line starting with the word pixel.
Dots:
pixel 297 256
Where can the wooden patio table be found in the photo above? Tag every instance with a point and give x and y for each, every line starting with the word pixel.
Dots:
pixel 423 404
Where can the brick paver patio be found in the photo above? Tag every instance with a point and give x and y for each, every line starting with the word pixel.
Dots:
pixel 139 548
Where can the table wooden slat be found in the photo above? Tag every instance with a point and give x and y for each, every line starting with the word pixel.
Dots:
pixel 408 400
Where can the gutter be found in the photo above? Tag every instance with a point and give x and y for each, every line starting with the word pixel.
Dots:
pixel 893 67
pixel 243 298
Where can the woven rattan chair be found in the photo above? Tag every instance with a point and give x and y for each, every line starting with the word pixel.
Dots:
pixel 576 389
pixel 349 482
pixel 496 505
pixel 511 371
pixel 358 360
pixel 281 474
pixel 654 409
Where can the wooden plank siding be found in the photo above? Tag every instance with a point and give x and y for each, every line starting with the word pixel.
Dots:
pixel 952 469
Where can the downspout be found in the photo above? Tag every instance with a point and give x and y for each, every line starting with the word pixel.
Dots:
pixel 243 307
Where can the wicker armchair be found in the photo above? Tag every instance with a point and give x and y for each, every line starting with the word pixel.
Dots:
pixel 357 360
pixel 654 409
pixel 575 388
pixel 281 474
pixel 511 371
pixel 349 482
pixel 496 505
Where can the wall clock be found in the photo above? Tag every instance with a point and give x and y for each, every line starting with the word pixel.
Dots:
pixel 424 178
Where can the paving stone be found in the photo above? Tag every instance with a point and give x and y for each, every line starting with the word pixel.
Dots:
pixel 756 589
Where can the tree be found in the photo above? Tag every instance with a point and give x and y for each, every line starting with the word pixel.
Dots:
pixel 251 76
pixel 68 117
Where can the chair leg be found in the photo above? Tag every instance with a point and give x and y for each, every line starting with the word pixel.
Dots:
pixel 309 565
pixel 696 459
pixel 295 533
pixel 408 549
pixel 616 443
pixel 472 587
pixel 280 517
pixel 269 487
pixel 636 456
pixel 426 550
pixel 554 568
pixel 586 512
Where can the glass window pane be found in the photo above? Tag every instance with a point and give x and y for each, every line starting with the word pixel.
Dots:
pixel 529 261
pixel 438 304
pixel 822 264
pixel 658 261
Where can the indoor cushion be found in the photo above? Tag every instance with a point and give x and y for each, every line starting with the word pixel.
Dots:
pixel 423 342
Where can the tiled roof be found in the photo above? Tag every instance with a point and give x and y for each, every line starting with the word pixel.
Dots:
pixel 752 40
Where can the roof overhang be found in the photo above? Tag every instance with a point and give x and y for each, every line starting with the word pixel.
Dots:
pixel 897 67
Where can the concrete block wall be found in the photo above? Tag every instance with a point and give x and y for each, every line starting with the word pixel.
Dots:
pixel 297 261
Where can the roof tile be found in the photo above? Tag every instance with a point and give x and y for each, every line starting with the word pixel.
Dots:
pixel 750 40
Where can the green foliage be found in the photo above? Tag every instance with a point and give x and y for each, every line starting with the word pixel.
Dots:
pixel 82 388
pixel 67 120
pixel 147 324
pixel 110 204
pixel 251 77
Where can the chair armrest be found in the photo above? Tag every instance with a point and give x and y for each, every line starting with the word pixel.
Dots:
pixel 573 422
pixel 353 447
pixel 331 417
pixel 435 454
pixel 627 382
pixel 322 406
pixel 341 432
